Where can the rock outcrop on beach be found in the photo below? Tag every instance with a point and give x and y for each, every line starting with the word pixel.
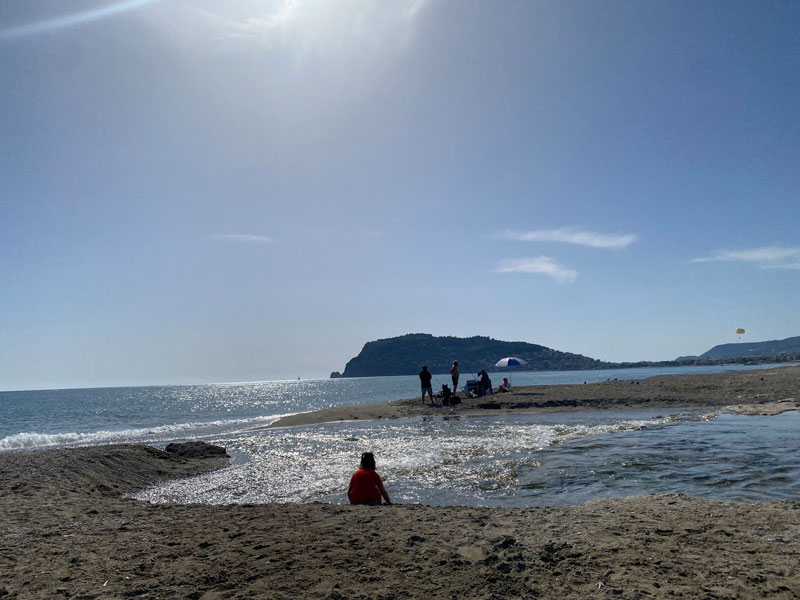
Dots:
pixel 196 450
pixel 405 354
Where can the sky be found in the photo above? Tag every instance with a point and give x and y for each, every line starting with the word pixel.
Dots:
pixel 199 191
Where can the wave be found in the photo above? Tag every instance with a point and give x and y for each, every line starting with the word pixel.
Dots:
pixel 35 440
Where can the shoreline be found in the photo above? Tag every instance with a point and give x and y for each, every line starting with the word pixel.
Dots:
pixel 763 392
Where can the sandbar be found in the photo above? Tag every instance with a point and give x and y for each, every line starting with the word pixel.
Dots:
pixel 760 391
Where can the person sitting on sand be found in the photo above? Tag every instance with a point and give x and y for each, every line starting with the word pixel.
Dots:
pixel 366 486
pixel 505 386
pixel 425 379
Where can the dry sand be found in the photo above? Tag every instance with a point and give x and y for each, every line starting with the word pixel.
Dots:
pixel 67 532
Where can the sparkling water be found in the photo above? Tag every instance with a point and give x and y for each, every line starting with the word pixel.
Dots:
pixel 511 460
pixel 61 418
pixel 498 460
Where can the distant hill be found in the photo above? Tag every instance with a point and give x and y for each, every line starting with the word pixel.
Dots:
pixel 754 349
pixel 404 355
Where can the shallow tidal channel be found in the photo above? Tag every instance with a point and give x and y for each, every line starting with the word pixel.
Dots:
pixel 511 460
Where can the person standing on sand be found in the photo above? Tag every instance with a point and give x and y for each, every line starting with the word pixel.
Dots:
pixel 366 486
pixel 425 379
pixel 454 375
pixel 484 384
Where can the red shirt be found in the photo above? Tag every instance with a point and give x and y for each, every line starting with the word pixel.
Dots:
pixel 365 487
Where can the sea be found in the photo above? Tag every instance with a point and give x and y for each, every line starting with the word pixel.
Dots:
pixel 552 459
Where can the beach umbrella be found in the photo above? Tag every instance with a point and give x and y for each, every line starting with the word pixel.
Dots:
pixel 510 361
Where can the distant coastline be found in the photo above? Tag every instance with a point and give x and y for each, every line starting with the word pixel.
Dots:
pixel 403 355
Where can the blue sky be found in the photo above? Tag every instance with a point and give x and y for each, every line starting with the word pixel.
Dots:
pixel 249 190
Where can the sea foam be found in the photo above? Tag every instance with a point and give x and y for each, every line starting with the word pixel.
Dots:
pixel 35 440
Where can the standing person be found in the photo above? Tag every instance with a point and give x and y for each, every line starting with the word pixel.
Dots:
pixel 425 379
pixel 366 486
pixel 485 384
pixel 454 374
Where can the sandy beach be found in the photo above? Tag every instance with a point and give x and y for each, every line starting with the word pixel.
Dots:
pixel 68 531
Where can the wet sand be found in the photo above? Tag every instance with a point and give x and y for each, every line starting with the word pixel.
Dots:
pixel 760 391
pixel 68 532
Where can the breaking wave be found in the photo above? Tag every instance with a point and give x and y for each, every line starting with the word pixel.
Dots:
pixel 36 440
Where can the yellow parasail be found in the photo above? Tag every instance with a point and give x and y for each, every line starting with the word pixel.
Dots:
pixel 740 331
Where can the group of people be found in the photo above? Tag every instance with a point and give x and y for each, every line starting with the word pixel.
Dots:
pixel 425 379
pixel 484 383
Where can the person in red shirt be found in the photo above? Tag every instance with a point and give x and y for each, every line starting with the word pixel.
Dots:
pixel 366 486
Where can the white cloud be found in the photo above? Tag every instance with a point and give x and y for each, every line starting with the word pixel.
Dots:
pixel 241 238
pixel 543 265
pixel 572 235
pixel 311 26
pixel 765 257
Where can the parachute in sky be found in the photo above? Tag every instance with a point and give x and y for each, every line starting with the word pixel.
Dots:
pixel 740 331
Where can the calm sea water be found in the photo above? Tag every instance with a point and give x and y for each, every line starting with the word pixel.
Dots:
pixel 502 460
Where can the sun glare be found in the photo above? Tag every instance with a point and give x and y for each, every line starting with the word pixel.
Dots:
pixel 72 20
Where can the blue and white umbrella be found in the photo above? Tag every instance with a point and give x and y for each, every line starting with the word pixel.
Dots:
pixel 510 361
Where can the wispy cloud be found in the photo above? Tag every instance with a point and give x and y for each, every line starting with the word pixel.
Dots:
pixel 72 19
pixel 241 238
pixel 543 265
pixel 765 257
pixel 229 26
pixel 572 235
pixel 310 23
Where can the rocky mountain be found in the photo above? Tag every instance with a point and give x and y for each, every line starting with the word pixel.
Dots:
pixel 404 355
pixel 754 349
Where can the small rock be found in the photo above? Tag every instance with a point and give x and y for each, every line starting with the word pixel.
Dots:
pixel 196 450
